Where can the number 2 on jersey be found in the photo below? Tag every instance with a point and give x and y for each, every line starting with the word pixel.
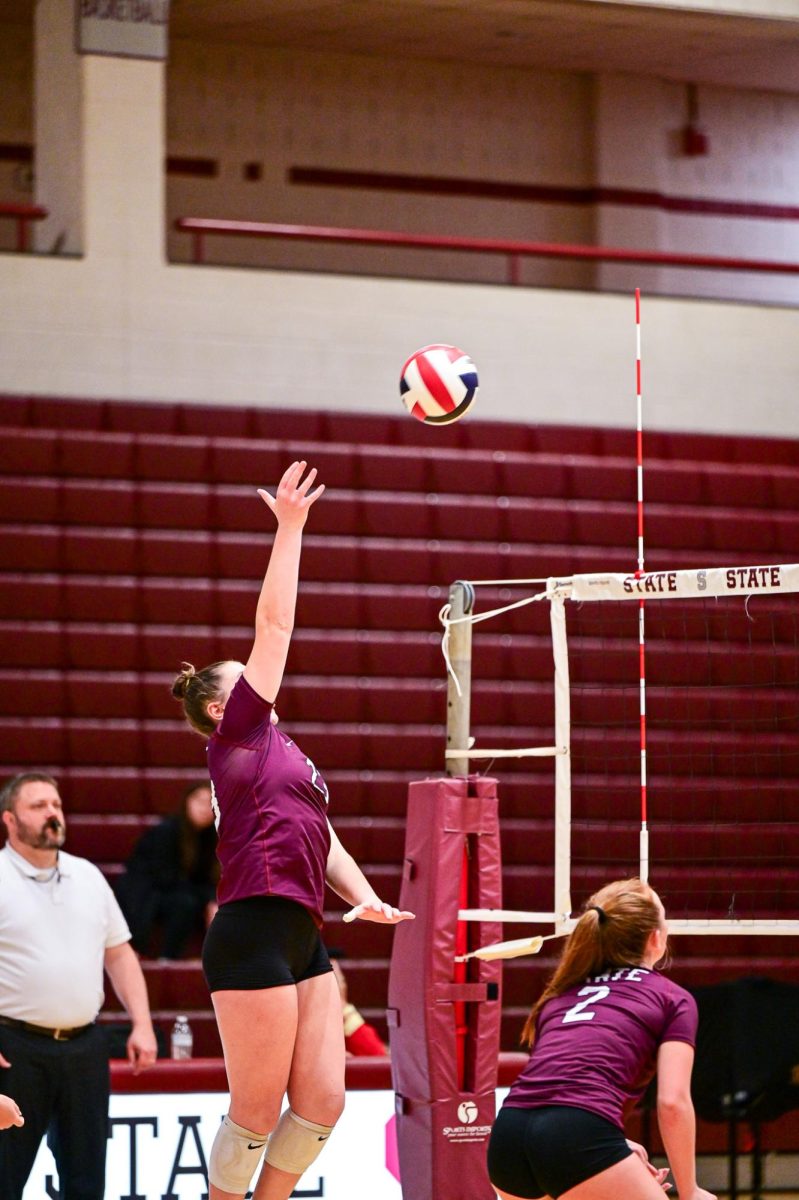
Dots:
pixel 592 995
pixel 318 782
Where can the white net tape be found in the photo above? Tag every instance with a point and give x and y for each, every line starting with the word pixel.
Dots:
pixel 675 585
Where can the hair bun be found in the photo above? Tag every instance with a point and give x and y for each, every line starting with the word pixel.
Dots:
pixel 180 686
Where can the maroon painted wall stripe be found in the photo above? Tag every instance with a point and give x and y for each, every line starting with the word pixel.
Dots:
pixel 438 185
pixel 204 168
pixel 20 152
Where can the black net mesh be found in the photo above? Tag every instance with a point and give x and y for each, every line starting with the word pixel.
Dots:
pixel 722 737
pixel 722 698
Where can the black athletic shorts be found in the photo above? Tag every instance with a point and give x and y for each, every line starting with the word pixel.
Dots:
pixel 262 942
pixel 537 1152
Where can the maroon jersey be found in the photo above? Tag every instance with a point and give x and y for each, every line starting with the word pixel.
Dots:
pixel 270 805
pixel 596 1044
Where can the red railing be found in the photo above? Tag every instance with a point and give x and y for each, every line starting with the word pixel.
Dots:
pixel 22 214
pixel 208 1074
pixel 201 227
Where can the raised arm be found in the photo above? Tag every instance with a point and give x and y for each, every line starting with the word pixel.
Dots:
pixel 274 615
pixel 676 1117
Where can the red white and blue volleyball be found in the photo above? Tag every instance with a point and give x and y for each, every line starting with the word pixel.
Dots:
pixel 438 384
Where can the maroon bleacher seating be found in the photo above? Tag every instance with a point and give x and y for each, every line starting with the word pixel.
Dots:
pixel 131 538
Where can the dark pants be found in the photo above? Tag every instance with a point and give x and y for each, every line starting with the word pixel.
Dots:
pixel 62 1089
pixel 179 910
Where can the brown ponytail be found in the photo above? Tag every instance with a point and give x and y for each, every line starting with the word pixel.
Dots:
pixel 196 690
pixel 612 932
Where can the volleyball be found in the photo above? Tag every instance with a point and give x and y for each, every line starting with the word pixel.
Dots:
pixel 438 384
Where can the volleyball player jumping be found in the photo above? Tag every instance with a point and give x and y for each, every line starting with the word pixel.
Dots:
pixel 275 996
pixel 604 1022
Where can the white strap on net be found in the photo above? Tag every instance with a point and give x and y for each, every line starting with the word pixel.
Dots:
pixel 474 618
pixel 447 622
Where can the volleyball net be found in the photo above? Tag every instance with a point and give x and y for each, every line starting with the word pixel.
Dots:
pixel 687 775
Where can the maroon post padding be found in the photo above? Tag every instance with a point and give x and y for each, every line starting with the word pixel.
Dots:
pixel 443 1122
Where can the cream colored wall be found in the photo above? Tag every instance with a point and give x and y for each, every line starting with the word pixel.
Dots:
pixel 753 158
pixel 240 104
pixel 58 129
pixel 283 108
pixel 116 327
pixel 106 328
pixel 279 108
pixel 123 323
pixel 752 8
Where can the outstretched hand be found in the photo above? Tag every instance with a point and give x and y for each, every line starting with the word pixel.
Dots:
pixel 293 498
pixel 379 912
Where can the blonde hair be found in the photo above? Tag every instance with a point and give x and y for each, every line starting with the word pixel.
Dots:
pixel 196 690
pixel 612 932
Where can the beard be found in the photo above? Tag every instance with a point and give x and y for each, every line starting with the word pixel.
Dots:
pixel 49 836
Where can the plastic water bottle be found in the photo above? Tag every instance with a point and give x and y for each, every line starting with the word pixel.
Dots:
pixel 181 1040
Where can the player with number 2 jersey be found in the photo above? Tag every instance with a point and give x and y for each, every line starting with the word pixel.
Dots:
pixel 607 1020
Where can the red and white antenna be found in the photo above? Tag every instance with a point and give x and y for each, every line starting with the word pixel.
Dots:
pixel 644 834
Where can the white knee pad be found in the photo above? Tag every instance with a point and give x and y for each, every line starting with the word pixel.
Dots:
pixel 295 1143
pixel 235 1154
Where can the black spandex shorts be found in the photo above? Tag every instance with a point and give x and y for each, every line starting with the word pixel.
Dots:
pixel 262 942
pixel 537 1152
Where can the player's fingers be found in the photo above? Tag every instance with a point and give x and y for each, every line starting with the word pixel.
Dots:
pixel 314 496
pixel 268 500
pixel 353 914
pixel 302 488
pixel 398 916
pixel 296 469
pixel 19 1119
pixel 373 910
pixel 289 474
pixel 393 915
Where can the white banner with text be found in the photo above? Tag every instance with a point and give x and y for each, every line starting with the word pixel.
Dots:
pixel 159 1145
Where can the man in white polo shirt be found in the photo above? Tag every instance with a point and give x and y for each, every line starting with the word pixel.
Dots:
pixel 60 926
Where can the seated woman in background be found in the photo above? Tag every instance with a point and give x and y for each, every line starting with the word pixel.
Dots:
pixel 170 878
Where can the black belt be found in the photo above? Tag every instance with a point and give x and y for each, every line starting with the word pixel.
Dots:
pixel 58 1035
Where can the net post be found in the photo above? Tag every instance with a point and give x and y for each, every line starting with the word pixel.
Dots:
pixel 562 898
pixel 643 865
pixel 459 680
